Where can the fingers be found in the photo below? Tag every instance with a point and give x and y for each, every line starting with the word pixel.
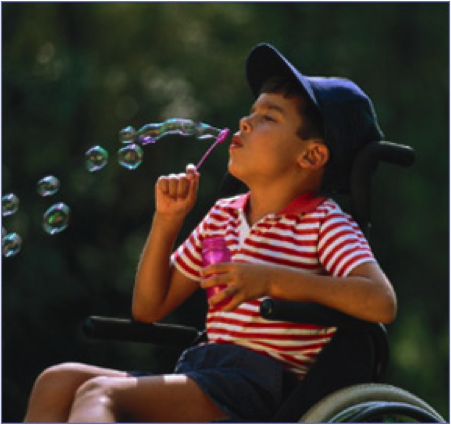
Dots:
pixel 181 185
pixel 225 298
pixel 215 270
pixel 177 185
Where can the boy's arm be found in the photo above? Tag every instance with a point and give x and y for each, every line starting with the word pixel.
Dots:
pixel 159 286
pixel 365 293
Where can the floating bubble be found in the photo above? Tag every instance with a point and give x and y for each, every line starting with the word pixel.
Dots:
pixel 48 186
pixel 11 245
pixel 96 158
pixel 150 133
pixel 10 204
pixel 130 156
pixel 127 135
pixel 56 218
pixel 179 126
pixel 205 131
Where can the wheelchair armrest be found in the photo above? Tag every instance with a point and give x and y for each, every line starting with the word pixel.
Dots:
pixel 129 330
pixel 309 313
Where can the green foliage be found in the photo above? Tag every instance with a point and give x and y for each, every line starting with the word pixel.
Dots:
pixel 76 73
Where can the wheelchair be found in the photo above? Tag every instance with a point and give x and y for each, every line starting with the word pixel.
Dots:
pixel 346 383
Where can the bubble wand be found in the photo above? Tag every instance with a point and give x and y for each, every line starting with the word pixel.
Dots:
pixel 222 136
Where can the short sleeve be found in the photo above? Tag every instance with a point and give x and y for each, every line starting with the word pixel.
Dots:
pixel 188 256
pixel 342 246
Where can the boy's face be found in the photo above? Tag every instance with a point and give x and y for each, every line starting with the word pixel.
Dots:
pixel 267 146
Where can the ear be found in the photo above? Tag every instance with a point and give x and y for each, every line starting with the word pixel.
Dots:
pixel 314 156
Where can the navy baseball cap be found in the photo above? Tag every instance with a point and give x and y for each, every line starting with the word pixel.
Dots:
pixel 349 119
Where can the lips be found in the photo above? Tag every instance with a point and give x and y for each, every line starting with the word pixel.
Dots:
pixel 236 142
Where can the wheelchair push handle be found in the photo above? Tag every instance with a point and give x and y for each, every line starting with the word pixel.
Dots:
pixel 395 153
pixel 373 153
pixel 362 171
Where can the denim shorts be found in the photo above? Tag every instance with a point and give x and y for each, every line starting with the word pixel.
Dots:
pixel 245 385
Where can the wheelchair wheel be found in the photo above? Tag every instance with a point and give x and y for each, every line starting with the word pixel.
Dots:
pixel 371 403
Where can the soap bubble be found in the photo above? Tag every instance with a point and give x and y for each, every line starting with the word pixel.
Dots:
pixel 179 126
pixel 11 244
pixel 130 156
pixel 150 133
pixel 10 204
pixel 56 218
pixel 96 158
pixel 48 186
pixel 205 131
pixel 127 135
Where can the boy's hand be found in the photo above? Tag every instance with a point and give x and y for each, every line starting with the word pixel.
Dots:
pixel 243 282
pixel 175 195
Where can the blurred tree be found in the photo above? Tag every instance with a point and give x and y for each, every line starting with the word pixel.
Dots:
pixel 76 73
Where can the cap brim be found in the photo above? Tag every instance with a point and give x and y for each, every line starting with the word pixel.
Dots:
pixel 265 61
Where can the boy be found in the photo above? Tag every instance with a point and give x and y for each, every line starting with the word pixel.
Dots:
pixel 286 242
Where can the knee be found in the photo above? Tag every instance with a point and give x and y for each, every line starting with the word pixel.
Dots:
pixel 98 389
pixel 56 377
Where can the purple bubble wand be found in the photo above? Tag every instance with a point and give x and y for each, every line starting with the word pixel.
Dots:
pixel 222 136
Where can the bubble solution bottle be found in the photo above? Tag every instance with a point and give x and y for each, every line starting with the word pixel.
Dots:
pixel 215 251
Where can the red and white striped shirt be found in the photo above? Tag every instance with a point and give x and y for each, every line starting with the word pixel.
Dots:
pixel 311 234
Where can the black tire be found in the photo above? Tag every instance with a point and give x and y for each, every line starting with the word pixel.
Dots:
pixel 371 402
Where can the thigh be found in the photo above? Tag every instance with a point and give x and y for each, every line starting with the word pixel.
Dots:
pixel 75 374
pixel 162 398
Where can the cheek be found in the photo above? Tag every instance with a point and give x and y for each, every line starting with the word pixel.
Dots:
pixel 263 155
pixel 281 152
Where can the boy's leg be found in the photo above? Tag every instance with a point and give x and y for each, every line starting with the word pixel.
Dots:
pixel 163 398
pixel 54 390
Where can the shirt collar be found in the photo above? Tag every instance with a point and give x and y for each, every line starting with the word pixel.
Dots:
pixel 304 203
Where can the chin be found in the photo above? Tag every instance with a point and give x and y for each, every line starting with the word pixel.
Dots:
pixel 234 171
pixel 239 176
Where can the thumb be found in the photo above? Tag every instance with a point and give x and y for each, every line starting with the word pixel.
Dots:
pixel 193 177
pixel 191 171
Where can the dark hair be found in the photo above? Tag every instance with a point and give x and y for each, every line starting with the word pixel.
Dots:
pixel 312 122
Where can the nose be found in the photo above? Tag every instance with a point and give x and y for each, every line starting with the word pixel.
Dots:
pixel 245 124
